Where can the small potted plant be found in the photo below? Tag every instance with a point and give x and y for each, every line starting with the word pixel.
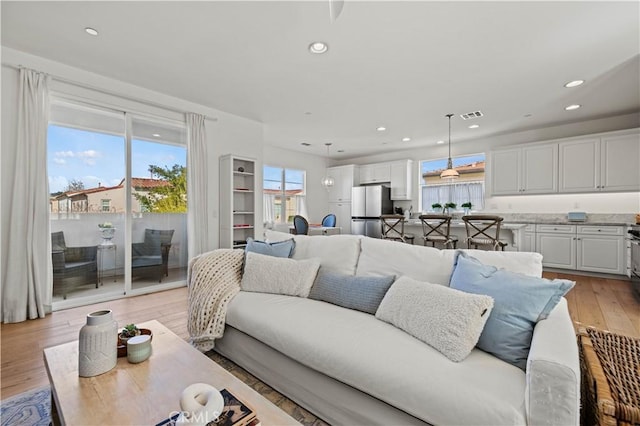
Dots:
pixel 467 207
pixel 436 207
pixel 449 207
pixel 129 331
pixel 108 231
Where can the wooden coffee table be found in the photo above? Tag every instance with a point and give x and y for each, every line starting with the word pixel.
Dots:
pixel 144 393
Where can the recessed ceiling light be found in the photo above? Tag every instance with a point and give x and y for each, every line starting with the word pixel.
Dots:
pixel 572 107
pixel 318 47
pixel 156 135
pixel 406 139
pixel 91 31
pixel 574 83
pixel 305 144
pixel 440 142
pixel 474 126
pixel 381 129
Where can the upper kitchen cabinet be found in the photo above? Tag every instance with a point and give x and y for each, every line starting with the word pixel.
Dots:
pixel 375 173
pixel 401 179
pixel 525 170
pixel 345 177
pixel 607 163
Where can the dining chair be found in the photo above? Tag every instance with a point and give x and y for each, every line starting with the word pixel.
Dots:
pixel 484 230
pixel 329 221
pixel 393 228
pixel 301 225
pixel 436 228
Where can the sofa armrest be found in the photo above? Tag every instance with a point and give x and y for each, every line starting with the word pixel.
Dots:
pixel 552 394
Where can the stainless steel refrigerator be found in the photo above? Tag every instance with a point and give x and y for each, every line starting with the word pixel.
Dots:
pixel 368 203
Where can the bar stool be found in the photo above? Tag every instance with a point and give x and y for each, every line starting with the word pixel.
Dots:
pixel 484 230
pixel 393 228
pixel 436 228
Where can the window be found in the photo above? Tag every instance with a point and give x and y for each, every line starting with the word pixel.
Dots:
pixel 284 194
pixel 106 208
pixel 469 187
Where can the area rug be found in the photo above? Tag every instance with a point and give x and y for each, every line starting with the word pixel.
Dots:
pixel 32 408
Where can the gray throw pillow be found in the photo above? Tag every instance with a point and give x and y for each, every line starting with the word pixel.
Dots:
pixel 277 249
pixel 353 292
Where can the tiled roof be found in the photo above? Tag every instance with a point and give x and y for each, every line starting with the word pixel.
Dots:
pixel 464 169
pixel 146 183
pixel 288 192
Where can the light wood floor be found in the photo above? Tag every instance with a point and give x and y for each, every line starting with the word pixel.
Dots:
pixel 604 303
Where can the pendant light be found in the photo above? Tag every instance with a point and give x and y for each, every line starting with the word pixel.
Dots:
pixel 450 172
pixel 327 181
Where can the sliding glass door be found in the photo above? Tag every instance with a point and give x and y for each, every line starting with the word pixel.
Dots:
pixel 118 203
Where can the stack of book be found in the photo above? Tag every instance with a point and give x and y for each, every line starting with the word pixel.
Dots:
pixel 234 413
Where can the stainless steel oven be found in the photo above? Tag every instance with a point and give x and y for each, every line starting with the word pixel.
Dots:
pixel 634 238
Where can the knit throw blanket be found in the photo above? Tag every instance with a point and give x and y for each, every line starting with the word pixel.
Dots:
pixel 213 280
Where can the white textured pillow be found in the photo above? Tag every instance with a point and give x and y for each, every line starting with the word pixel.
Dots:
pixel 268 274
pixel 448 320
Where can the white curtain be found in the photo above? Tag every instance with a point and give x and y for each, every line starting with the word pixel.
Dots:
pixel 301 206
pixel 458 193
pixel 27 285
pixel 197 179
pixel 269 210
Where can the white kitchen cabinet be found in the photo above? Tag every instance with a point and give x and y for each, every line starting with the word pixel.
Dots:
pixel 342 211
pixel 600 164
pixel 528 238
pixel 619 159
pixel 345 178
pixel 237 200
pixel 584 248
pixel 601 249
pixel 375 173
pixel 527 170
pixel 401 180
pixel 557 245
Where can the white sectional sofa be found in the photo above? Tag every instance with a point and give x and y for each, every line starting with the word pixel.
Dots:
pixel 350 368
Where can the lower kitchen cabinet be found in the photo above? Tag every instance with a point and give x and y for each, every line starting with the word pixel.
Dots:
pixel 585 248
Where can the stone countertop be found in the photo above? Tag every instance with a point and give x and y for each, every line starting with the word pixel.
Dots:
pixel 566 222
pixel 460 224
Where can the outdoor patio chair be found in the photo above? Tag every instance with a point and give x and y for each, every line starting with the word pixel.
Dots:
pixel 151 257
pixel 72 266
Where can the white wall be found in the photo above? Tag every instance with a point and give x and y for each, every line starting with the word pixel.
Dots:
pixel 627 202
pixel 226 133
pixel 315 166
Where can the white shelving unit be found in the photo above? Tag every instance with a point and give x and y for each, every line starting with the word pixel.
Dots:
pixel 237 200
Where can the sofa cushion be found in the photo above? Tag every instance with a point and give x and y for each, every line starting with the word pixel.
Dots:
pixel 337 253
pixel 448 320
pixel 277 249
pixel 383 361
pixel 520 302
pixel 383 257
pixel 268 274
pixel 352 292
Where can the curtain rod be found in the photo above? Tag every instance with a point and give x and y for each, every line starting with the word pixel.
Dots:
pixel 107 92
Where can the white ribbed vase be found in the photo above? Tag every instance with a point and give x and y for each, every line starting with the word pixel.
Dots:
pixel 97 348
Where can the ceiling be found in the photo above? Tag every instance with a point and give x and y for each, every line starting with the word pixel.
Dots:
pixel 401 65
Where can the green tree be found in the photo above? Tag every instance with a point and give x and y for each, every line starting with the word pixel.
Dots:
pixel 170 197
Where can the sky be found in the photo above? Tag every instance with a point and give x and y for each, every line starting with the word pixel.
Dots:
pixel 98 158
pixel 272 177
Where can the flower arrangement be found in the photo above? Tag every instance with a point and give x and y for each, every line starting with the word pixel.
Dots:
pixel 105 225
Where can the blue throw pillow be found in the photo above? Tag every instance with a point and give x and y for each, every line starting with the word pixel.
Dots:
pixel 278 249
pixel 520 302
pixel 353 292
